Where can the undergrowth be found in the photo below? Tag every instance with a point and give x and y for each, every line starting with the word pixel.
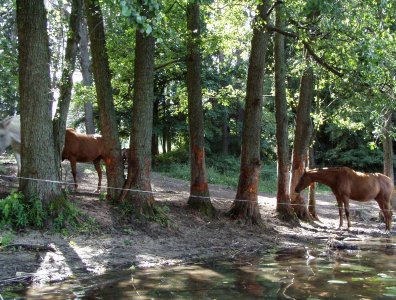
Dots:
pixel 156 213
pixel 222 169
pixel 61 215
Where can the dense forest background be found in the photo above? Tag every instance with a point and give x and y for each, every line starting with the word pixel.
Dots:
pixel 349 48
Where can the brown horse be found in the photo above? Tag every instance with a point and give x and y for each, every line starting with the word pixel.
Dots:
pixel 349 184
pixel 83 148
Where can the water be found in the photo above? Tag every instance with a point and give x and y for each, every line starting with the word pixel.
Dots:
pixel 289 273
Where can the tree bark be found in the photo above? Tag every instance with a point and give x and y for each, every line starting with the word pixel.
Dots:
pixel 302 137
pixel 225 134
pixel 139 168
pixel 283 199
pixel 154 138
pixel 311 195
pixel 66 83
pixel 108 121
pixel 199 191
pixel 388 153
pixel 245 205
pixel 38 157
pixel 86 71
pixel 388 147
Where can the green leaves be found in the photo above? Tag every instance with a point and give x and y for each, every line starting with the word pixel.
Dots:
pixel 145 15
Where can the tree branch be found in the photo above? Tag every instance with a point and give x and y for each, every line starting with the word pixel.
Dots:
pixel 311 52
pixel 176 60
pixel 273 6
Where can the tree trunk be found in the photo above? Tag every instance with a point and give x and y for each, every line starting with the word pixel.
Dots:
pixel 166 130
pixel 66 83
pixel 283 199
pixel 245 205
pixel 139 168
pixel 388 147
pixel 225 134
pixel 388 152
pixel 199 191
pixel 86 71
pixel 38 157
pixel 154 138
pixel 311 196
pixel 225 129
pixel 108 121
pixel 302 137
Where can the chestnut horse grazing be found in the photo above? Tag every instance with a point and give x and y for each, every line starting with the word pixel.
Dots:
pixel 349 184
pixel 83 148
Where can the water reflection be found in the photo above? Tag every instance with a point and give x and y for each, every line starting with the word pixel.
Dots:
pixel 289 273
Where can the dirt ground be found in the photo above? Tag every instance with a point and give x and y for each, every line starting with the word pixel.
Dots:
pixel 44 256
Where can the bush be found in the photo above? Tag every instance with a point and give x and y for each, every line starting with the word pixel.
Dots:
pixel 17 213
pixel 180 156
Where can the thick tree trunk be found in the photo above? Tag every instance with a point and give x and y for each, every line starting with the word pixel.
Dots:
pixel 302 137
pixel 66 83
pixel 86 71
pixel 108 121
pixel 199 191
pixel 283 199
pixel 245 205
pixel 38 156
pixel 139 168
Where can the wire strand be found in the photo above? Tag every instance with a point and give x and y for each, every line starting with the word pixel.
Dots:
pixel 160 192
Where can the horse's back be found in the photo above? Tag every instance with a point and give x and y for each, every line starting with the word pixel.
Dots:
pixel 367 186
pixel 82 147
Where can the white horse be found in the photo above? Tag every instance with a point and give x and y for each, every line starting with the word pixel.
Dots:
pixel 10 135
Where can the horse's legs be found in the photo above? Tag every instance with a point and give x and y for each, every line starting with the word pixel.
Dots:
pixel 386 209
pixel 339 202
pixel 73 164
pixel 96 163
pixel 346 206
pixel 16 148
pixel 18 159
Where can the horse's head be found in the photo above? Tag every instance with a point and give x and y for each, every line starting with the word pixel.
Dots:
pixel 303 182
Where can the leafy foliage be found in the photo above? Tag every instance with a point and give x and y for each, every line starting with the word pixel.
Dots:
pixel 17 213
pixel 8 60
pixel 61 215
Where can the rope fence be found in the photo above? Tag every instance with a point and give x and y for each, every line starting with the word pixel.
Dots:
pixel 211 198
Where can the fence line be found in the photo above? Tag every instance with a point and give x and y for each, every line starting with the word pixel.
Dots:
pixel 214 198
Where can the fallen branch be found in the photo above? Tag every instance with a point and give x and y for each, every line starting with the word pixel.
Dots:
pixel 18 279
pixel 31 247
